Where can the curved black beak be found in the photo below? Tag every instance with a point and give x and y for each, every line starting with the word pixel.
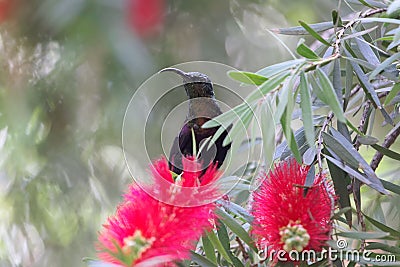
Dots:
pixel 183 74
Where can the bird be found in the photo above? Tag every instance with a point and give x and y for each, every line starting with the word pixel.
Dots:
pixel 202 108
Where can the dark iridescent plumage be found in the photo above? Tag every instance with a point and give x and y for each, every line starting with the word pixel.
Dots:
pixel 202 108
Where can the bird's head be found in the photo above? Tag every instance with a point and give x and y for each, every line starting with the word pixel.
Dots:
pixel 196 84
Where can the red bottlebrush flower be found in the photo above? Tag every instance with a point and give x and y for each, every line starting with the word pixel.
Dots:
pixel 145 228
pixel 191 176
pixel 145 16
pixel 191 188
pixel 285 220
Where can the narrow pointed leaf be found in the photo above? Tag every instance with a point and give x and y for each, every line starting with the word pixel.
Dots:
pixel 384 247
pixel 247 77
pixel 391 186
pixel 305 104
pixel 369 89
pixel 239 127
pixel 342 142
pixel 236 209
pixel 283 98
pixel 218 245
pixel 279 67
pixel 201 260
pixel 337 81
pixel 383 227
pixel 208 249
pixel 318 27
pixel 310 177
pixel 360 33
pixel 393 7
pixel 364 235
pixel 367 140
pixel 266 87
pixel 313 33
pixel 330 96
pixel 309 156
pixel 268 133
pixel 340 181
pixel 305 51
pixel 387 152
pixel 395 90
pixel 366 51
pixel 236 228
pixel 384 65
pixel 224 238
pixel 362 177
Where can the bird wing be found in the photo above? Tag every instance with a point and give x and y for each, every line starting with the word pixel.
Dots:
pixel 182 146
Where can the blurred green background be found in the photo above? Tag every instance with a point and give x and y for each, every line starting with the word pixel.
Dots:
pixel 68 70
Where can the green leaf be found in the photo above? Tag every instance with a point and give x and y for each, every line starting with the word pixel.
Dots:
pixel 227 118
pixel 266 87
pixel 362 164
pixel 330 96
pixel 391 186
pixel 362 177
pixel 290 139
pixel 306 111
pixel 239 127
pixel 283 98
pixel 366 4
pixel 318 27
pixel 367 140
pixel 279 67
pixel 387 152
pixel 343 151
pixel 313 33
pixel 395 40
pixel 393 7
pixel 370 91
pixel 354 128
pixel 201 260
pixel 224 237
pixel 305 51
pixel 283 151
pixel 348 84
pixel 218 245
pixel 337 80
pixel 268 133
pixel 364 235
pixel 236 228
pixel 384 247
pixel 215 136
pixel 340 181
pixel 383 227
pixel 364 47
pixel 361 62
pixel 309 156
pixel 359 33
pixel 247 77
pixel 384 65
pixel 395 90
pixel 237 210
pixel 381 20
pixel 209 249
pixel 309 179
pixel 336 20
